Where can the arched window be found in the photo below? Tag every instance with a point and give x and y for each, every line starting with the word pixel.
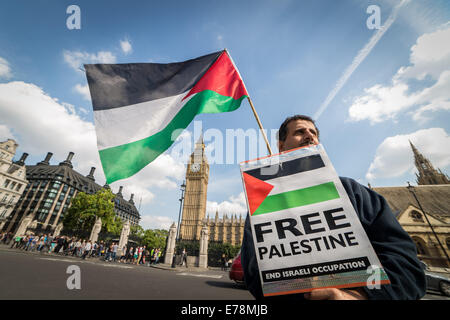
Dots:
pixel 420 245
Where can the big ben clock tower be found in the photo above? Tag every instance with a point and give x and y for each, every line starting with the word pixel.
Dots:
pixel 194 207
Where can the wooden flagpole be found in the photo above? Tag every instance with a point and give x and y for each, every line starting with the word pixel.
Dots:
pixel 253 108
pixel 260 125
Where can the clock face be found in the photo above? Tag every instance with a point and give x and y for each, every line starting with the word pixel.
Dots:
pixel 195 167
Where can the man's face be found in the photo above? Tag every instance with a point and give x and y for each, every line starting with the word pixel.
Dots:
pixel 300 133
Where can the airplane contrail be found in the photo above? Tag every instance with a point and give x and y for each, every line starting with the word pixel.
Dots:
pixel 362 54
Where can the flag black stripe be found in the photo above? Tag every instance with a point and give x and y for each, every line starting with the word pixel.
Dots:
pixel 287 168
pixel 118 85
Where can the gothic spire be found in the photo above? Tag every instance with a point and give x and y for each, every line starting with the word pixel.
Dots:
pixel 427 174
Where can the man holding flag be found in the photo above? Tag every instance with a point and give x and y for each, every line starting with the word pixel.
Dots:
pixel 395 249
pixel 141 108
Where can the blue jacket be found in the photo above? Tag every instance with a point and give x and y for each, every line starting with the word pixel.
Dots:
pixel 394 247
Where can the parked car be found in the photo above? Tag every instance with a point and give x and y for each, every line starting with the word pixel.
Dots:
pixel 436 282
pixel 236 272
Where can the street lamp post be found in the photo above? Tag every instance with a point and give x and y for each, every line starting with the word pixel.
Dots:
pixel 183 188
pixel 411 189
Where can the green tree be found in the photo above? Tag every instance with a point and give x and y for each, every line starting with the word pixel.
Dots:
pixel 115 227
pixel 85 208
pixel 215 250
pixel 155 238
pixel 137 231
pixel 192 247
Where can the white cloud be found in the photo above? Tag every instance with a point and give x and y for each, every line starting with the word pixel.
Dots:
pixel 5 70
pixel 234 205
pixel 430 59
pixel 42 124
pixel 429 56
pixel 5 133
pixel 360 57
pixel 162 173
pixel 126 47
pixel 137 186
pixel 75 59
pixel 84 91
pixel 394 156
pixel 381 103
pixel 424 16
pixel 434 98
pixel 83 110
pixel 183 147
pixel 155 222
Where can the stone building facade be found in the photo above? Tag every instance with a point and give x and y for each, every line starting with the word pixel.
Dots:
pixel 226 230
pixel 12 179
pixel 126 209
pixel 435 201
pixel 432 207
pixel 49 192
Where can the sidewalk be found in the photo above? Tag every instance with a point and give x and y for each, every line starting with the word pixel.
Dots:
pixel 161 266
pixel 179 268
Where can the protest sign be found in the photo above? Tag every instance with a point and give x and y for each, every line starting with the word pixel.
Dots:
pixel 306 232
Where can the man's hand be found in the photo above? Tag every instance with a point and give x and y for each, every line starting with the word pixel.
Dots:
pixel 336 294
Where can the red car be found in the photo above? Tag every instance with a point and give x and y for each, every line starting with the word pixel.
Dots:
pixel 236 272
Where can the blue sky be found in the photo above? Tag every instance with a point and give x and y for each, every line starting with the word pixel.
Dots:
pixel 291 54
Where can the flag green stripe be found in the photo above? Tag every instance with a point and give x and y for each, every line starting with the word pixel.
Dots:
pixel 297 198
pixel 125 160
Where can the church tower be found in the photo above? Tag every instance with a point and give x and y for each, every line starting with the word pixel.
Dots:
pixel 194 207
pixel 427 173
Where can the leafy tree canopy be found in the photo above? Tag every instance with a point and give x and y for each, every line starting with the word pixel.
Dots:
pixel 136 231
pixel 85 208
pixel 155 238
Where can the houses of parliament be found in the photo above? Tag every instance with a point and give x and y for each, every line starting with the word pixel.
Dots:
pixel 423 211
pixel 225 230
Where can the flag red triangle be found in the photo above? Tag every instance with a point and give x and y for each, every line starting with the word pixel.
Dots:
pixel 257 190
pixel 223 78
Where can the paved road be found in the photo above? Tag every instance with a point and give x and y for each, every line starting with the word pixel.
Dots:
pixel 25 275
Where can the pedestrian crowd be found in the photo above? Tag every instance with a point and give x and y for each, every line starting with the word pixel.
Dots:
pixel 140 255
pixel 77 247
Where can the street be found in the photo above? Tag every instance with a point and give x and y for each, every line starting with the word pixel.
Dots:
pixel 25 275
pixel 32 276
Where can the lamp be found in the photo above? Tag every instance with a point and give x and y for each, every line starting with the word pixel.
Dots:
pixel 183 188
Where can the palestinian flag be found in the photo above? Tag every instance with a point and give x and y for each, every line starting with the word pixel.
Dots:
pixel 275 188
pixel 140 107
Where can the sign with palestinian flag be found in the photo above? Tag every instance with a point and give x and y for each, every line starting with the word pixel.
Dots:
pixel 306 232
pixel 139 108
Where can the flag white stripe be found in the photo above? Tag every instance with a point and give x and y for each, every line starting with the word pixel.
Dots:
pixel 131 123
pixel 300 180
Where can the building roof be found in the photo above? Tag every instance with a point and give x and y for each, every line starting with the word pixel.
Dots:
pixel 43 170
pixel 126 205
pixel 69 176
pixel 434 199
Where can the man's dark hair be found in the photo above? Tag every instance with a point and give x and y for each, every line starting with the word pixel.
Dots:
pixel 282 133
